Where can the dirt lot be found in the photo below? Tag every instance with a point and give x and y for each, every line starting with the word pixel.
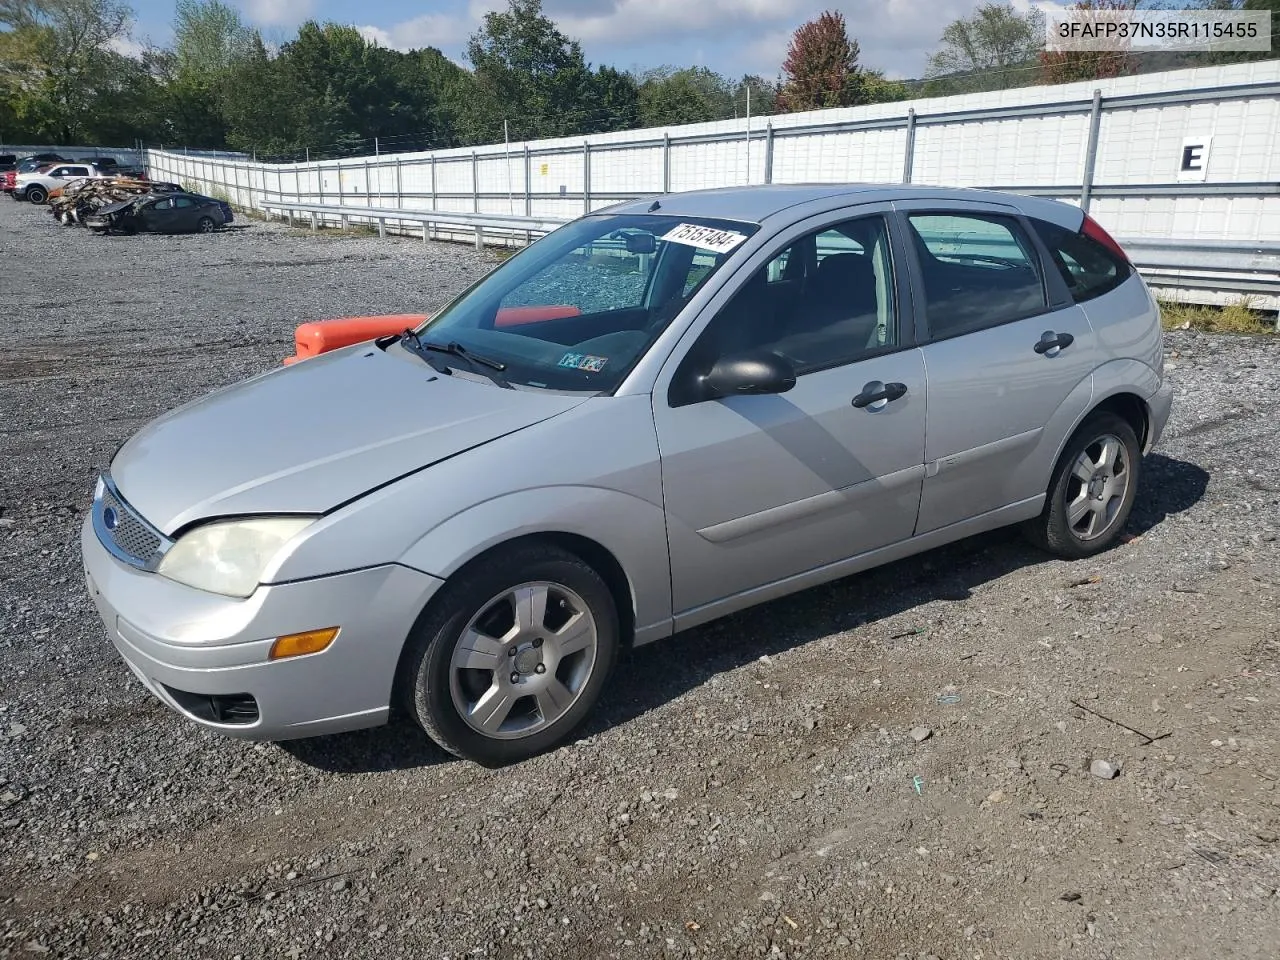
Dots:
pixel 750 788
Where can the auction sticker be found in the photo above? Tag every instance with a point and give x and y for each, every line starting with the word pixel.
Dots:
pixel 707 238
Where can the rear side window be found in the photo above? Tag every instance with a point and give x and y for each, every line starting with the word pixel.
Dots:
pixel 1089 268
pixel 978 271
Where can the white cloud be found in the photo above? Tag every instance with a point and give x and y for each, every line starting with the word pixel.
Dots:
pixel 631 21
pixel 428 30
pixel 127 47
pixel 446 31
pixel 284 13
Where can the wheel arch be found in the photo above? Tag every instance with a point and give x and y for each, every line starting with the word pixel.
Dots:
pixel 589 551
pixel 1130 407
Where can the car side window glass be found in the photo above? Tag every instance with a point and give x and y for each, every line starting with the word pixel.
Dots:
pixel 841 310
pixel 1088 268
pixel 978 271
pixel 183 202
pixel 162 204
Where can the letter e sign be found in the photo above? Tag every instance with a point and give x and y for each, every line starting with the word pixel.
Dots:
pixel 1193 163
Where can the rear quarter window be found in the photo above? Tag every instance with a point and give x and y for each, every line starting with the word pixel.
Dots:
pixel 1088 268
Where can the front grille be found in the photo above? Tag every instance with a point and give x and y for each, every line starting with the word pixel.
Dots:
pixel 124 532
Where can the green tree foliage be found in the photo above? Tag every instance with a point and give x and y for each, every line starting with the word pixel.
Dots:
pixel 329 91
pixel 993 49
pixel 58 61
pixel 531 74
pixel 821 68
pixel 670 96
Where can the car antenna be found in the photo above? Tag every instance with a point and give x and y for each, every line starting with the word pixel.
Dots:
pixel 654 206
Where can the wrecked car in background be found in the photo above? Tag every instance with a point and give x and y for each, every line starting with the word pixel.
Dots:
pixel 178 212
pixel 79 199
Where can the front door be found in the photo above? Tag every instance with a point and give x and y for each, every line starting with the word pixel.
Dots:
pixel 160 216
pixel 764 487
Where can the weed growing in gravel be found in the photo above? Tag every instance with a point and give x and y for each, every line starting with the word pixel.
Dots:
pixel 1236 317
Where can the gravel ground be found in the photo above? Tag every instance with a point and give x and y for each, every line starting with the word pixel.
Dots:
pixel 756 787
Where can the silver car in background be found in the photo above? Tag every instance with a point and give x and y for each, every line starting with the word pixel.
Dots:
pixel 657 415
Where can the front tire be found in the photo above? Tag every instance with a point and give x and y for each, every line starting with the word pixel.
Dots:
pixel 37 195
pixel 513 655
pixel 1092 490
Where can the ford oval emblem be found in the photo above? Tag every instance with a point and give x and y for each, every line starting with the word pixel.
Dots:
pixel 110 519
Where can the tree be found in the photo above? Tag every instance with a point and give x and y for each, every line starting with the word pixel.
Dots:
pixel 670 96
pixel 994 49
pixel 530 73
pixel 615 101
pixel 1068 66
pixel 876 88
pixel 260 104
pixel 764 96
pixel 209 38
pixel 821 68
pixel 62 55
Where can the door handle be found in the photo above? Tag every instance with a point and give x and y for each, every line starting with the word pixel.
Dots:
pixel 1050 343
pixel 875 395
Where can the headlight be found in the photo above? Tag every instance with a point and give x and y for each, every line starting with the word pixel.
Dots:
pixel 228 556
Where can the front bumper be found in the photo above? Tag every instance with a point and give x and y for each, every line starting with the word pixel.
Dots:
pixel 189 647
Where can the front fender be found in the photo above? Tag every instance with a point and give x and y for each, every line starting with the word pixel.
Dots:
pixel 633 530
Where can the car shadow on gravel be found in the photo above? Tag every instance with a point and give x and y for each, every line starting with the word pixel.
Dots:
pixel 657 673
pixel 660 672
pixel 1168 486
pixel 399 745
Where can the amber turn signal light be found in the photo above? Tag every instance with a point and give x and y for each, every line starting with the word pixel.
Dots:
pixel 299 644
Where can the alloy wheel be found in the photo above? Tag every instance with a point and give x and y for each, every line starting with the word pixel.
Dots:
pixel 523 660
pixel 1097 487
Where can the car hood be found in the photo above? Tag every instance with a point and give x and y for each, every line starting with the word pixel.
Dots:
pixel 312 436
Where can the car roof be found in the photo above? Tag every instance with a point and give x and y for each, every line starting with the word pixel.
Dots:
pixel 754 204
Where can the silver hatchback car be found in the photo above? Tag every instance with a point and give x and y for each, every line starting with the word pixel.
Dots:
pixel 657 415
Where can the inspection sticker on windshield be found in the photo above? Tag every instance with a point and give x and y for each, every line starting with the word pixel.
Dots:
pixel 708 238
pixel 583 361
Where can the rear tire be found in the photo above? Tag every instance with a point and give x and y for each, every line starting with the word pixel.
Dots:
pixel 1092 489
pixel 205 225
pixel 541 637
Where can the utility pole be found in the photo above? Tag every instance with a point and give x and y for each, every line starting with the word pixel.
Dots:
pixel 748 134
pixel 506 140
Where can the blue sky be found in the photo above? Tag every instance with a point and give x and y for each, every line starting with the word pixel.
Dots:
pixel 731 36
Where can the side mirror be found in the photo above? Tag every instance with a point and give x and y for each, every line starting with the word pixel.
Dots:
pixel 749 373
pixel 640 243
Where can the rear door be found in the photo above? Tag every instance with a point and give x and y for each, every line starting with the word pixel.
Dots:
pixel 1005 350
pixel 185 213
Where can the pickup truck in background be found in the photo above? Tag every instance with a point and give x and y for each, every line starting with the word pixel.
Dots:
pixel 36 184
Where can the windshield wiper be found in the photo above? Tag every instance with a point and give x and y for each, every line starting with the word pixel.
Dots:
pixel 410 338
pixel 486 366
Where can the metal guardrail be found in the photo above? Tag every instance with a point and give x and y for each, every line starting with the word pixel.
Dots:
pixel 480 223
pixel 1251 270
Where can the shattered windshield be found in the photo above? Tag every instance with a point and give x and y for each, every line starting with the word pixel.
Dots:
pixel 577 309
